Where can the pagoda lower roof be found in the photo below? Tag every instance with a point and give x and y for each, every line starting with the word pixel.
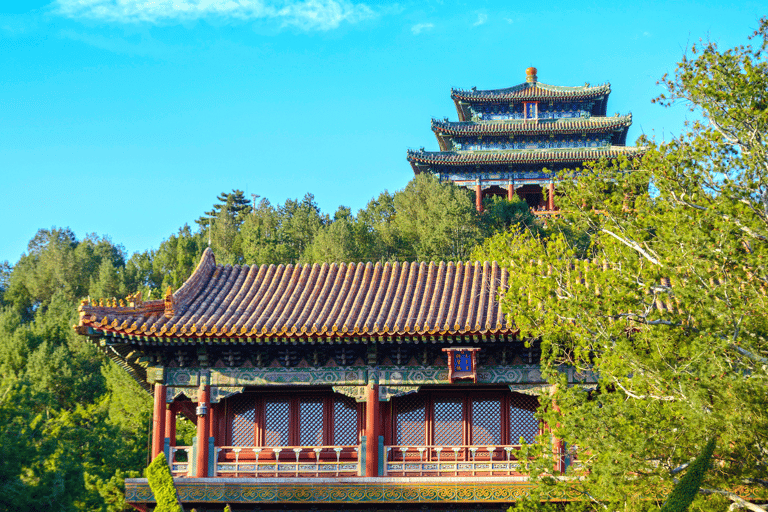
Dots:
pixel 517 156
pixel 507 127
pixel 531 91
pixel 314 301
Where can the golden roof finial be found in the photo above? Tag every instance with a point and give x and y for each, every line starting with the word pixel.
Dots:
pixel 530 75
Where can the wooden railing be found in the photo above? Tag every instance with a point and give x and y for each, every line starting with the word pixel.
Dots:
pixel 346 461
pixel 546 213
pixel 500 460
pixel 288 461
pixel 181 460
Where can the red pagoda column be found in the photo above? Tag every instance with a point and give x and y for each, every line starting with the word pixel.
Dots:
pixel 479 196
pixel 158 420
pixel 170 424
pixel 510 191
pixel 372 430
pixel 201 462
pixel 551 196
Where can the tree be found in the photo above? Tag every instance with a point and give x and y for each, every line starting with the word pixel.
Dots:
pixel 234 203
pixel 437 221
pixel 338 242
pixel 670 310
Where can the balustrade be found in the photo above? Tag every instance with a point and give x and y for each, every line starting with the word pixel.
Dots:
pixel 288 461
pixel 451 460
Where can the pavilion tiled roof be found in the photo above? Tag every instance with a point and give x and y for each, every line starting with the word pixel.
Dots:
pixel 540 127
pixel 517 156
pixel 315 301
pixel 532 92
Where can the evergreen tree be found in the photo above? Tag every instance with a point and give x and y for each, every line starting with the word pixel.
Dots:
pixel 233 203
pixel 437 221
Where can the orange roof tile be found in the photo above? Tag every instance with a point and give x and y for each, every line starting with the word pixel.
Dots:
pixel 318 301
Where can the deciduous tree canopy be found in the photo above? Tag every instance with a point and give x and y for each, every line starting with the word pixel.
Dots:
pixel 669 307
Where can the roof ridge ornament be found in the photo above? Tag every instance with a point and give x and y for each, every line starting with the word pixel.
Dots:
pixel 168 303
pixel 530 75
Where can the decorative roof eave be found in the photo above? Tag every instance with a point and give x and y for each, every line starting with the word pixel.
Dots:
pixel 531 92
pixel 314 302
pixel 519 156
pixel 121 338
pixel 541 127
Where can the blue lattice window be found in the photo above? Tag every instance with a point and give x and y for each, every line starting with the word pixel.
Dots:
pixel 464 418
pixel 293 420
pixel 243 415
pixel 344 421
pixel 411 420
pixel 277 422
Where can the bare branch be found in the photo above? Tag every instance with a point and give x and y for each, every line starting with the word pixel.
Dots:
pixel 633 245
pixel 644 397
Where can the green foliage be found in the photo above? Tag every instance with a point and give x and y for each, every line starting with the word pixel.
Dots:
pixel 234 204
pixel 161 482
pixel 669 311
pixel 687 488
pixel 437 221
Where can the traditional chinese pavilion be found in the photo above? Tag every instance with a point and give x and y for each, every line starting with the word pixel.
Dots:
pixel 333 387
pixel 513 141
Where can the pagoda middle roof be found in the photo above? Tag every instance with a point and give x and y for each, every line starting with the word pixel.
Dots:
pixel 318 302
pixel 518 156
pixel 541 126
pixel 531 91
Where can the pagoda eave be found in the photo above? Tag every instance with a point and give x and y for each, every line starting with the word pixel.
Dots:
pixel 458 159
pixel 540 127
pixel 531 92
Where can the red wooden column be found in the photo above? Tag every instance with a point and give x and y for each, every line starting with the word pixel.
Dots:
pixel 203 405
pixel 158 420
pixel 170 424
pixel 372 430
pixel 479 196
pixel 551 196
pixel 510 191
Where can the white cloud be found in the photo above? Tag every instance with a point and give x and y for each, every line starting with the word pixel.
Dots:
pixel 481 19
pixel 421 27
pixel 304 14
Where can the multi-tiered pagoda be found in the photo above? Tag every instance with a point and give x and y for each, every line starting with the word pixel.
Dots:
pixel 514 141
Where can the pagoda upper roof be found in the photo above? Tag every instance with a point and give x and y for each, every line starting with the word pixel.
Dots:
pixel 527 127
pixel 528 91
pixel 313 302
pixel 517 156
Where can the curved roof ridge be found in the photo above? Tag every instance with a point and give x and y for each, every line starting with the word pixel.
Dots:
pixel 200 276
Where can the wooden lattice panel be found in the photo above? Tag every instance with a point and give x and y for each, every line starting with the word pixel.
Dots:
pixel 344 421
pixel 448 422
pixel 277 422
pixel 243 414
pixel 486 422
pixel 411 420
pixel 311 422
pixel 522 420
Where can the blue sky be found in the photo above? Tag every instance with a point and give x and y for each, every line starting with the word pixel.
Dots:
pixel 127 117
